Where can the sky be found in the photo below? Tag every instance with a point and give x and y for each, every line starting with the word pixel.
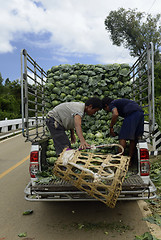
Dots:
pixel 61 31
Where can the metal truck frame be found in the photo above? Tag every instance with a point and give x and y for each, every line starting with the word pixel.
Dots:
pixel 33 79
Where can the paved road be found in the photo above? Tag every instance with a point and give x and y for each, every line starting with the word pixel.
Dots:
pixel 56 220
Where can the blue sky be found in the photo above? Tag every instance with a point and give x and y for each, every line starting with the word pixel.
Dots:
pixel 61 31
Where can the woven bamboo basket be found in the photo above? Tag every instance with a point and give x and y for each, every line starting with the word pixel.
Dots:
pixel 101 176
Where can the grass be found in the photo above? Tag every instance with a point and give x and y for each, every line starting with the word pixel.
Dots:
pixel 155 175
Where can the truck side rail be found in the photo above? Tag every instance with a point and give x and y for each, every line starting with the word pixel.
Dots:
pixel 142 78
pixel 33 79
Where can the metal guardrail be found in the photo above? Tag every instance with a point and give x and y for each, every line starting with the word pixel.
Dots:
pixel 8 125
pixel 14 126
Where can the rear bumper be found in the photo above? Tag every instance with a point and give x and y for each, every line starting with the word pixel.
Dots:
pixel 70 193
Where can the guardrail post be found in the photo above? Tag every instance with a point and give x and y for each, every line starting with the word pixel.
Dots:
pixel 4 129
pixel 13 127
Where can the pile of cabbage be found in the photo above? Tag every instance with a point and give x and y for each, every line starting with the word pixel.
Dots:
pixel 79 82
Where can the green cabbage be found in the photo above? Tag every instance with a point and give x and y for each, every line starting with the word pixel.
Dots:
pixel 78 82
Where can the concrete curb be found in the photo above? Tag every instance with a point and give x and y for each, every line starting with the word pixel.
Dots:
pixel 154 229
pixel 3 136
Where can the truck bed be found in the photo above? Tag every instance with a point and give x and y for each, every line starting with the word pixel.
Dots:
pixel 60 190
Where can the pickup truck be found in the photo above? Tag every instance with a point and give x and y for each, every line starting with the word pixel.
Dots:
pixel 137 184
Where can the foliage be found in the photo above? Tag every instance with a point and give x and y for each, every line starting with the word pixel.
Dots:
pixel 157 86
pixel 155 219
pixel 134 30
pixel 158 111
pixel 1 81
pixel 24 234
pixel 10 99
pixel 146 236
pixel 157 79
pixel 155 175
pixel 28 212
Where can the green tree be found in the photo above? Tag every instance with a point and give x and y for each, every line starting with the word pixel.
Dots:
pixel 10 99
pixel 134 30
pixel 13 88
pixel 1 84
pixel 1 79
pixel 7 82
pixel 157 77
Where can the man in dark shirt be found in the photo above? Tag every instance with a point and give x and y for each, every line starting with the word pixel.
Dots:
pixel 133 124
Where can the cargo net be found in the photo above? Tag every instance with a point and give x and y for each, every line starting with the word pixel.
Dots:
pixel 100 175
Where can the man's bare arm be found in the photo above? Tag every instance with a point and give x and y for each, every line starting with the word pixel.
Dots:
pixel 115 115
pixel 78 128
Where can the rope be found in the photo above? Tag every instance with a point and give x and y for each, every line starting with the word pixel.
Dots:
pixel 69 154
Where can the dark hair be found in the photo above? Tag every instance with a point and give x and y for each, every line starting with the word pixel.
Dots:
pixel 95 102
pixel 106 100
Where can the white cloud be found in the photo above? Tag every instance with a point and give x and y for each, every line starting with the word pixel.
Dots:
pixel 75 27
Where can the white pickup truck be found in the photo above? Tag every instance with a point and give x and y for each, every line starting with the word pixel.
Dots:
pixel 137 185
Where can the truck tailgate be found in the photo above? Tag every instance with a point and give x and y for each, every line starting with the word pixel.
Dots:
pixel 133 188
pixel 132 182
